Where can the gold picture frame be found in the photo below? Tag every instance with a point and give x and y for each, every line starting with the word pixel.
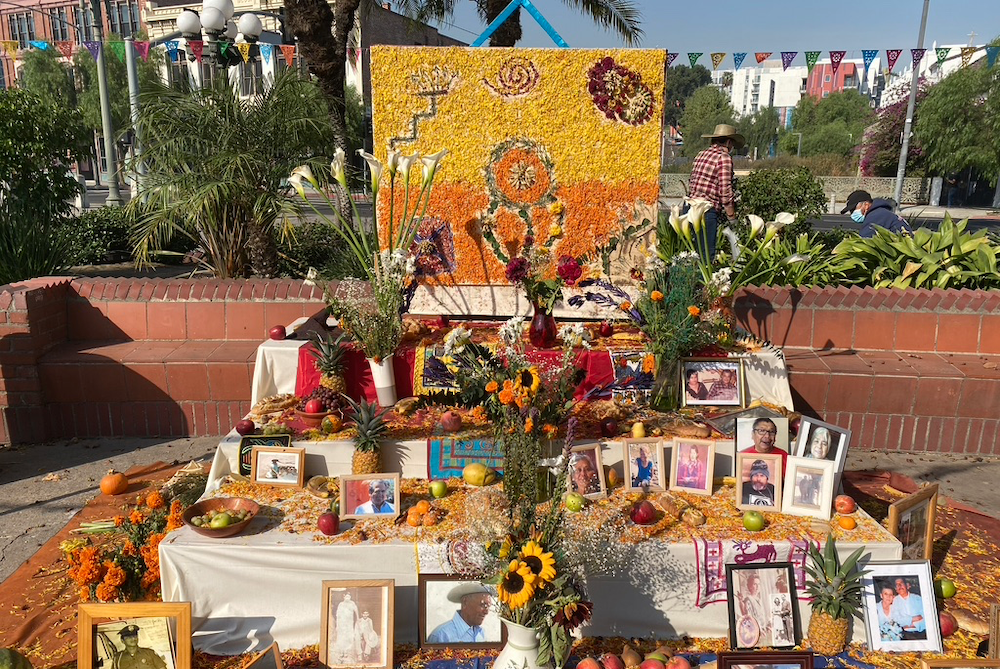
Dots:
pixel 357 619
pixel 287 467
pixel 577 455
pixel 731 393
pixel 634 470
pixel 92 641
pixel 683 476
pixel 269 658
pixel 753 500
pixel 912 516
pixel 355 493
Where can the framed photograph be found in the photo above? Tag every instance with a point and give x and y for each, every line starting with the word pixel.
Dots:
pixel 758 481
pixel 357 620
pixel 586 472
pixel 787 659
pixel 823 441
pixel 457 612
pixel 644 460
pixel 369 495
pixel 762 606
pixel 994 652
pixel 956 663
pixel 268 659
pixel 808 487
pixel 762 432
pixel 725 423
pixel 283 467
pixel 247 444
pixel 911 520
pixel 156 635
pixel 692 462
pixel 713 382
pixel 900 611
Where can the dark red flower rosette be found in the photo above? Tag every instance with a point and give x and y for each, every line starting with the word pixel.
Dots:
pixel 619 93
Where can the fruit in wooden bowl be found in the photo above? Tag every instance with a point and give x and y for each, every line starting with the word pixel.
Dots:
pixel 314 420
pixel 221 516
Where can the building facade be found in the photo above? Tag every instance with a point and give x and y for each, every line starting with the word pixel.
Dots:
pixel 767 85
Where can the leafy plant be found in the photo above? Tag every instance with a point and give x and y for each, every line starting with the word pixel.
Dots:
pixel 314 244
pixel 369 420
pixel 949 257
pixel 96 236
pixel 707 107
pixel 805 260
pixel 768 192
pixel 834 587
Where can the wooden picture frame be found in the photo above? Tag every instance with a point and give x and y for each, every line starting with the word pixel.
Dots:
pixel 279 467
pixel 586 471
pixel 809 486
pixel 344 605
pixel 692 476
pixel 356 493
pixel 726 382
pixel 725 423
pixel 634 470
pixel 745 431
pixel 248 443
pixel 886 582
pixel 911 520
pixel 957 663
pixel 800 659
pixel 92 640
pixel 994 652
pixel 748 498
pixel 824 441
pixel 269 658
pixel 758 596
pixel 441 597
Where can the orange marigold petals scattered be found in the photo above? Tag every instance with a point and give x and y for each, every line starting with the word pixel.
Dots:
pixel 626 306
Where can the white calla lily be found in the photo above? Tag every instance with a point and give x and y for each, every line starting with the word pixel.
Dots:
pixel 392 162
pixel 405 163
pixel 734 243
pixel 430 165
pixel 794 259
pixel 783 218
pixel 675 218
pixel 295 180
pixel 685 224
pixel 375 167
pixel 756 225
pixel 337 167
pixel 770 232
pixel 305 172
pixel 696 212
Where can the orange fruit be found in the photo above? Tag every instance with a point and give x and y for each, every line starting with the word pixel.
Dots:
pixel 430 519
pixel 423 506
pixel 413 518
pixel 847 522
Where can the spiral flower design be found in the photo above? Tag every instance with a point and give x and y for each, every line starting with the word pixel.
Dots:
pixel 516 77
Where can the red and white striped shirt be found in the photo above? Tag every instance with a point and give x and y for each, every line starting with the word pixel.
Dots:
pixel 712 177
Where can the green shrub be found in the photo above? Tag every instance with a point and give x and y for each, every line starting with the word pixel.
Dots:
pixel 315 244
pixel 96 236
pixel 823 165
pixel 768 192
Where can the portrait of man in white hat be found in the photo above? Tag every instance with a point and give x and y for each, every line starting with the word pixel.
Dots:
pixel 470 606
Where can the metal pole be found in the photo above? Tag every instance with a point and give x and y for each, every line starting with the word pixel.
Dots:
pixel 133 99
pixel 904 148
pixel 107 124
pixel 798 152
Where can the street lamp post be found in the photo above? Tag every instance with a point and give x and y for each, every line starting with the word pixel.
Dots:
pixel 798 152
pixel 215 20
pixel 107 123
pixel 904 148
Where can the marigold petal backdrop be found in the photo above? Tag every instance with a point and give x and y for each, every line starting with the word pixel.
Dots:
pixel 559 144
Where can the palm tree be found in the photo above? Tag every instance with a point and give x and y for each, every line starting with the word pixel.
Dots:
pixel 620 16
pixel 216 169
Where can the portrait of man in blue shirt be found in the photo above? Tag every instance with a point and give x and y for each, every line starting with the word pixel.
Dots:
pixel 466 626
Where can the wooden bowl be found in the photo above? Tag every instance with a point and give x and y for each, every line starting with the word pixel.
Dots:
pixel 221 504
pixel 312 419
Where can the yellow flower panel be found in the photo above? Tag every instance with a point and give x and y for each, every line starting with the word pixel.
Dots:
pixel 540 140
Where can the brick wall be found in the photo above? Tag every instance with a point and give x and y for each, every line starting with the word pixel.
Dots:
pixel 911 370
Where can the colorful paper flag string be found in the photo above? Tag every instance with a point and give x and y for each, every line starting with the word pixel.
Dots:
pixel 244 51
pixel 171 49
pixel 762 56
pixel 967 52
pixel 942 54
pixel 65 48
pixel 786 58
pixel 835 58
pixel 918 55
pixel 9 47
pixel 288 51
pixel 738 58
pixel 869 58
pixel 671 57
pixel 891 56
pixel 93 47
pixel 39 44
pixel 811 58
pixel 197 48
pixel 143 49
pixel 267 49
pixel 693 57
pixel 717 58
pixel 119 50
pixel 224 47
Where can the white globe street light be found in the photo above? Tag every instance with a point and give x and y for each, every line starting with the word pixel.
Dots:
pixel 213 20
pixel 225 6
pixel 250 26
pixel 189 23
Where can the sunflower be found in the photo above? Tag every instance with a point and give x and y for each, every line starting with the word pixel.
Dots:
pixel 517 585
pixel 541 564
pixel 529 379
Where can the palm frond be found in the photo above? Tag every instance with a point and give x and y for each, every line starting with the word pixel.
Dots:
pixel 620 16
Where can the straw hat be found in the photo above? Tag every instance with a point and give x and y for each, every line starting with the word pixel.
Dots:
pixel 726 130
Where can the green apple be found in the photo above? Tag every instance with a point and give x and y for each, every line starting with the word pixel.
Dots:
pixel 753 521
pixel 945 588
pixel 220 520
pixel 335 506
pixel 575 501
pixel 439 488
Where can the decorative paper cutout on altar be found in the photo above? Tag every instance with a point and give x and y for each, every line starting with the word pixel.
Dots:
pixel 711 558
pixel 432 372
pixel 447 457
pixel 530 170
pixel 633 372
pixel 247 444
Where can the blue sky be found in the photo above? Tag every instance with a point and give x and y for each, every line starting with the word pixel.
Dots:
pixel 762 25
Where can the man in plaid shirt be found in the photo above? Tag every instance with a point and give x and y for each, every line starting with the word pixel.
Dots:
pixel 712 179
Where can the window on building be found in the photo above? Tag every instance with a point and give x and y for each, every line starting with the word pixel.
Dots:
pixel 251 77
pixel 826 94
pixel 61 30
pixel 85 23
pixel 770 98
pixel 826 79
pixel 123 17
pixel 3 77
pixel 22 28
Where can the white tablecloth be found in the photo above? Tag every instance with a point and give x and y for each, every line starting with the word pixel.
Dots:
pixel 275 368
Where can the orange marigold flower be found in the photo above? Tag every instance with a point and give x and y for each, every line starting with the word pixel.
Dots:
pixel 478 413
pixel 129 550
pixel 529 425
pixel 626 306
pixel 119 521
pixel 694 311
pixel 649 363
pixel 84 594
pixel 155 500
pixel 136 517
pixel 106 592
pixel 492 386
pixel 506 396
pixel 550 430
pixel 656 296
pixel 115 575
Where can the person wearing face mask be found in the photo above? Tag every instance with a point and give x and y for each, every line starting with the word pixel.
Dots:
pixel 870 213
pixel 712 179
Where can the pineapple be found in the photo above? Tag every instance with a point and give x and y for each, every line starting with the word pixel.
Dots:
pixel 369 420
pixel 329 357
pixel 836 591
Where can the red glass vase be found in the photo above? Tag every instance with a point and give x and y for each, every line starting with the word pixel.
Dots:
pixel 542 332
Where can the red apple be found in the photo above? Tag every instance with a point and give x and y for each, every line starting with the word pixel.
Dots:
pixel 678 662
pixel 643 513
pixel 845 504
pixel 245 427
pixel 651 663
pixel 609 427
pixel 451 421
pixel 612 661
pixel 794 426
pixel 277 332
pixel 588 663
pixel 607 329
pixel 442 321
pixel 328 524
pixel 948 623
pixel 315 406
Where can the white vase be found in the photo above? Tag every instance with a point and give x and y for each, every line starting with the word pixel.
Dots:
pixel 385 381
pixel 521 649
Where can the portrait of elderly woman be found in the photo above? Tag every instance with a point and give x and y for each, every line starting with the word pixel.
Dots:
pixel 586 472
